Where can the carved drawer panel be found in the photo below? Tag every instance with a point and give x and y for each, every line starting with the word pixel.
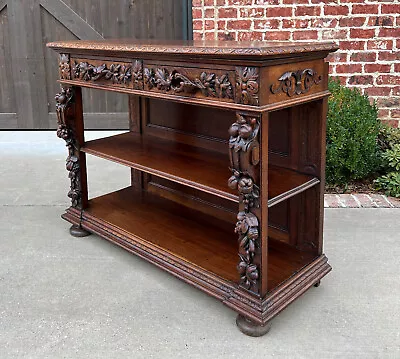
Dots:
pixel 111 73
pixel 290 81
pixel 190 82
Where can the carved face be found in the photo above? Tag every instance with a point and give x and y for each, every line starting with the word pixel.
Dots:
pixel 245 131
pixel 245 185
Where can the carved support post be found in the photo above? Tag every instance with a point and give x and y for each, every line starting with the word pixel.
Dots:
pixel 244 153
pixel 70 129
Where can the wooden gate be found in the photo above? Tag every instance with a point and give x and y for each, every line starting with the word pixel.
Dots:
pixel 29 70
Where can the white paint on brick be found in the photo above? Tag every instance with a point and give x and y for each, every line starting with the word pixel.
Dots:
pixel 340 201
pixel 356 199
pixel 387 200
pixel 374 204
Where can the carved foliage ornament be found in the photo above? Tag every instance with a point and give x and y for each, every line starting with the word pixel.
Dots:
pixel 247 86
pixel 64 102
pixel 209 84
pixel 244 156
pixel 117 73
pixel 137 75
pixel 64 66
pixel 296 82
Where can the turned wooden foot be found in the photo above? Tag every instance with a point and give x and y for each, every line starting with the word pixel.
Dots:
pixel 78 231
pixel 317 284
pixel 250 328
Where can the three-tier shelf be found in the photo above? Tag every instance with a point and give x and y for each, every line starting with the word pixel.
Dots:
pixel 226 149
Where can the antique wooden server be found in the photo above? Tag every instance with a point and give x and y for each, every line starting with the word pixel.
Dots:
pixel 227 151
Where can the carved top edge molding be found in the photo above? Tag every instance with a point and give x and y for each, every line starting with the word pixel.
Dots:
pixel 256 49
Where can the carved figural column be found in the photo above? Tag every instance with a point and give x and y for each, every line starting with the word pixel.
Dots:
pixel 244 152
pixel 65 130
pixel 69 118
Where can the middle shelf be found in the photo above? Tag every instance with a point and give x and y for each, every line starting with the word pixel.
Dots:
pixel 199 168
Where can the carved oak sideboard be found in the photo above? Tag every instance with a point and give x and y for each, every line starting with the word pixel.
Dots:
pixel 226 149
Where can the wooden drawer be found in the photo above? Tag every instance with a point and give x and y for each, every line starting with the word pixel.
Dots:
pixel 110 73
pixel 293 80
pixel 213 84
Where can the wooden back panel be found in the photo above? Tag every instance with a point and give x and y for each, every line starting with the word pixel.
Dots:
pixel 289 129
pixel 207 128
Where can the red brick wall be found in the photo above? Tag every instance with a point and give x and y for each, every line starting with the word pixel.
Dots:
pixel 368 33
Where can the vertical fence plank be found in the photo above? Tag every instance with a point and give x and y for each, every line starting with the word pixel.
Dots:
pixel 32 23
pixel 28 64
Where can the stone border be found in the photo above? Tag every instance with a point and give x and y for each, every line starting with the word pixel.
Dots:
pixel 360 200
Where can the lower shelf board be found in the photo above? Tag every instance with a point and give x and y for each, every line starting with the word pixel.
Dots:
pixel 192 236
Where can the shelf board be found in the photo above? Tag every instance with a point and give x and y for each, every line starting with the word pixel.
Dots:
pixel 192 236
pixel 199 168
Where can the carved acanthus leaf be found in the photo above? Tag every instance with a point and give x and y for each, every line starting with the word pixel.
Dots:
pixel 117 73
pixel 209 84
pixel 247 86
pixel 296 82
pixel 137 75
pixel 65 67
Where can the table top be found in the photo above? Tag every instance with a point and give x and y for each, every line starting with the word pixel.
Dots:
pixel 252 49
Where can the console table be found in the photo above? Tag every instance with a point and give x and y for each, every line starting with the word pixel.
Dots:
pixel 226 149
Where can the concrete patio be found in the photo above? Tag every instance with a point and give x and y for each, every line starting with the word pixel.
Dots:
pixel 64 297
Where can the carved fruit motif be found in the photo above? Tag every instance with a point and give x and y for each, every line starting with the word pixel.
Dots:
pixel 243 139
pixel 64 102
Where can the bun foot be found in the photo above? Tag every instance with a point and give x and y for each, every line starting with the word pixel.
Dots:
pixel 250 328
pixel 78 231
pixel 317 284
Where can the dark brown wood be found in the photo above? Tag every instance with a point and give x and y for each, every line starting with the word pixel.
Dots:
pixel 198 238
pixel 226 147
pixel 250 328
pixel 70 129
pixel 196 167
pixel 189 81
pixel 78 231
pixel 135 127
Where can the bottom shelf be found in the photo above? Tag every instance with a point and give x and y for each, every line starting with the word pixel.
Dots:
pixel 188 234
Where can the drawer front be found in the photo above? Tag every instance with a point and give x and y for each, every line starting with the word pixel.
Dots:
pixel 213 84
pixel 295 80
pixel 226 84
pixel 109 73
